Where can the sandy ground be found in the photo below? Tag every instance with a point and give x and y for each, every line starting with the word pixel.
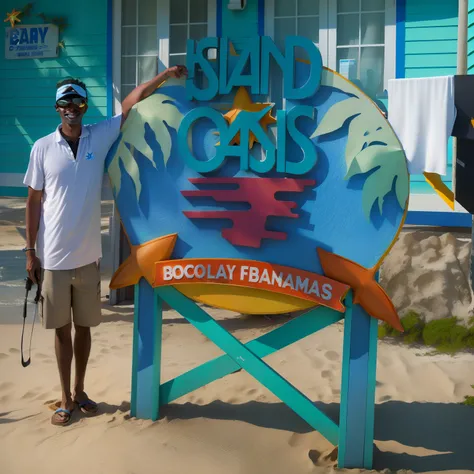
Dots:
pixel 233 425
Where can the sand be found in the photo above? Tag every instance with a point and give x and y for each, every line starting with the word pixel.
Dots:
pixel 233 425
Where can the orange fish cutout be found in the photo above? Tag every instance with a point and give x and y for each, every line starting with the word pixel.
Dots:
pixel 367 292
pixel 141 262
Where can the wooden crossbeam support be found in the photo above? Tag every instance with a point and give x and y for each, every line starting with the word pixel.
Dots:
pixel 252 364
pixel 355 433
pixel 292 331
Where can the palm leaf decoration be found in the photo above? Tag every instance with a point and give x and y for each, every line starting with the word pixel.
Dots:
pixel 134 136
pixel 371 144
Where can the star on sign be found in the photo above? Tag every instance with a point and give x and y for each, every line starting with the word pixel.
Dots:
pixel 243 103
pixel 13 17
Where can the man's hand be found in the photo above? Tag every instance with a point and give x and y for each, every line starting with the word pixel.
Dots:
pixel 177 71
pixel 33 267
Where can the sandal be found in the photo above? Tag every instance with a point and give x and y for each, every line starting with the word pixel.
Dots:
pixel 61 420
pixel 87 407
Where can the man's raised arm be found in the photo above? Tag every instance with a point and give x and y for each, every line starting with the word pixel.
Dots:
pixel 146 89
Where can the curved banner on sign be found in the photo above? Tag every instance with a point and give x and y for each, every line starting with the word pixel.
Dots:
pixel 253 274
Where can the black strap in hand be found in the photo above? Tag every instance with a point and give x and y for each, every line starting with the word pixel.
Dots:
pixel 28 286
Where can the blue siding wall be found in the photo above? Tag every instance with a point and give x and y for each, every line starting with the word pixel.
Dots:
pixel 431 37
pixel 27 87
pixel 240 25
pixel 428 33
pixel 470 38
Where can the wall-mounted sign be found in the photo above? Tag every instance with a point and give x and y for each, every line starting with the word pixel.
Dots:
pixel 348 68
pixel 31 42
pixel 257 210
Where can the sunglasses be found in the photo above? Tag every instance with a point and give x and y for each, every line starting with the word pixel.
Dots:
pixel 81 103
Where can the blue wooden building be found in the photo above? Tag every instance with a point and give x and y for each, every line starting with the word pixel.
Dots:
pixel 115 44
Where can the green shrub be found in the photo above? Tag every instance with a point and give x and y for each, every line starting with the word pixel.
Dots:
pixel 446 335
pixel 413 326
pixel 384 330
pixel 470 338
pixel 411 321
pixel 468 400
pixel 412 337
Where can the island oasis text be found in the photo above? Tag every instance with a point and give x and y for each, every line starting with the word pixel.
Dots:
pixel 251 69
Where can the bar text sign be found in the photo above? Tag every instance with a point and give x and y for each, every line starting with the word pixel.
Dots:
pixel 31 42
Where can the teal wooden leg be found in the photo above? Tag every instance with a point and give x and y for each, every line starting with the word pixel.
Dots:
pixel 294 330
pixel 246 359
pixel 356 425
pixel 146 365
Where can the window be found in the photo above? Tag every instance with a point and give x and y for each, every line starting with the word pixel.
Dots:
pixel 360 45
pixel 188 19
pixel 294 18
pixel 139 45
pixel 355 37
pixel 154 34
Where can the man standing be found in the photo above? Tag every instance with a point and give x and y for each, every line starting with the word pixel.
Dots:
pixel 63 238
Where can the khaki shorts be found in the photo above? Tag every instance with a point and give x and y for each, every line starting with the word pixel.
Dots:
pixel 65 290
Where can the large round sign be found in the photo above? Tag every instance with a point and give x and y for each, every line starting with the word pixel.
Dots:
pixel 256 210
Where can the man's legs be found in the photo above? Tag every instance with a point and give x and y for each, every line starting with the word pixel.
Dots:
pixel 55 311
pixel 63 347
pixel 79 290
pixel 82 349
pixel 64 353
pixel 86 308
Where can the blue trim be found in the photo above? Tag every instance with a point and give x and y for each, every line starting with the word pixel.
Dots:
pixel 110 80
pixel 400 40
pixel 439 219
pixel 219 19
pixel 261 17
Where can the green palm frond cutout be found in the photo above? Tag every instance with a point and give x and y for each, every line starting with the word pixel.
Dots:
pixel 371 144
pixel 134 135
pixel 379 183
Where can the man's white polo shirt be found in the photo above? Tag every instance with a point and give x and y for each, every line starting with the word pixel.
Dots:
pixel 69 233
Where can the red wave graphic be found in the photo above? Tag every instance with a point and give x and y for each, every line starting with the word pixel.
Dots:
pixel 248 227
